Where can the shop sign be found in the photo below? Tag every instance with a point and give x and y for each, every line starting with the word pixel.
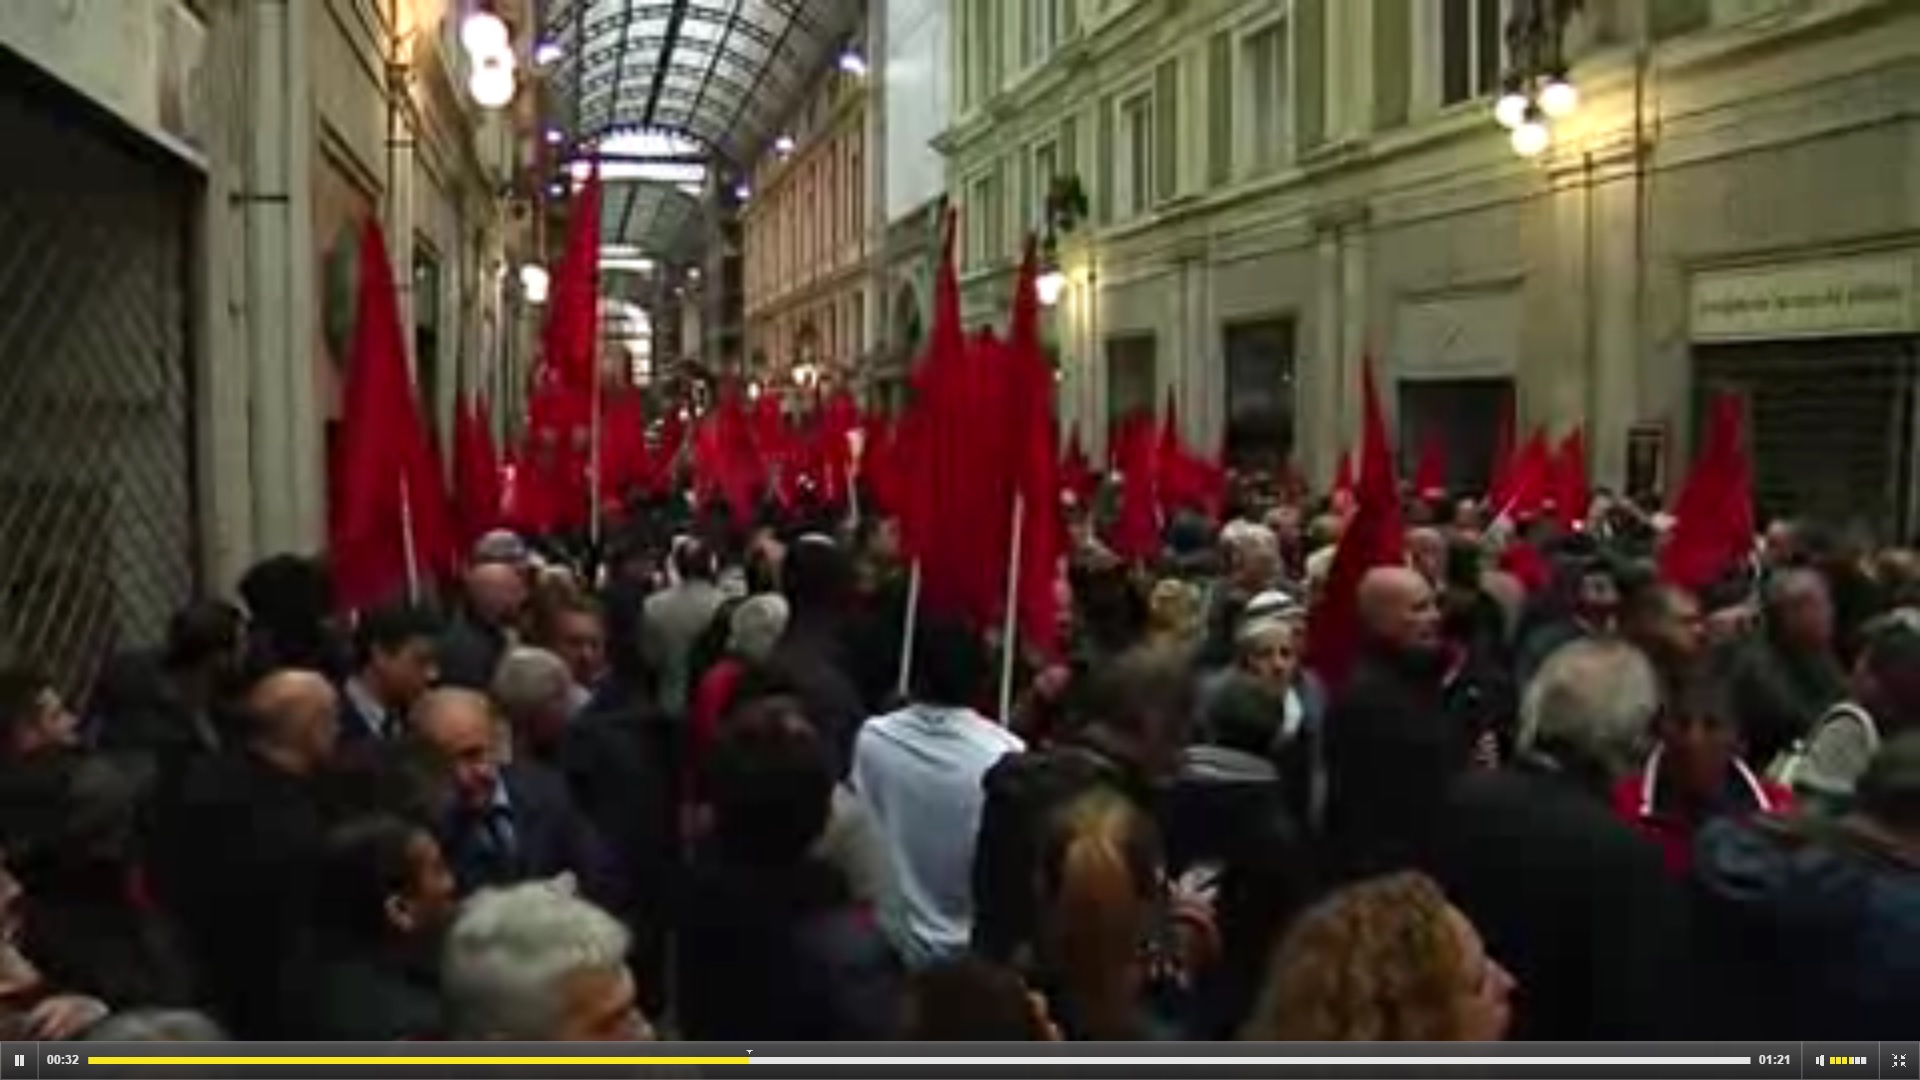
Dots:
pixel 1837 298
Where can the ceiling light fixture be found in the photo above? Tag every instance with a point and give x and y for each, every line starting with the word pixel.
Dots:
pixel 1558 98
pixel 485 35
pixel 492 83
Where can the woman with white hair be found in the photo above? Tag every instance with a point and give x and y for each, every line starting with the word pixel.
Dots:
pixel 535 963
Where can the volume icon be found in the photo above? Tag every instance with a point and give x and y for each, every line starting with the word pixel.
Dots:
pixel 1821 1061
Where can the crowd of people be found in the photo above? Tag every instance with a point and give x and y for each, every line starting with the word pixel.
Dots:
pixel 730 787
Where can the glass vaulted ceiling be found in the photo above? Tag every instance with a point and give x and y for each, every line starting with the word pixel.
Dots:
pixel 722 72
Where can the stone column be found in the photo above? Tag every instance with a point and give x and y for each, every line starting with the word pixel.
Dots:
pixel 285 440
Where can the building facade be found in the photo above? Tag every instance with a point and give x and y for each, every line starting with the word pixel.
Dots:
pixel 188 172
pixel 805 239
pixel 915 91
pixel 1281 188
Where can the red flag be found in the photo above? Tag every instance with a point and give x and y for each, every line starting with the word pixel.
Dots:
pixel 1571 492
pixel 558 456
pixel 726 463
pixel 1343 473
pixel 624 462
pixel 1135 534
pixel 1374 537
pixel 1713 513
pixel 942 518
pixel 1530 481
pixel 1185 479
pixel 1035 459
pixel 476 471
pixel 392 495
pixel 834 426
pixel 570 340
pixel 1430 472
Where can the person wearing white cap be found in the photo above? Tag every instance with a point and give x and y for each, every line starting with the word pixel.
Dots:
pixel 1267 644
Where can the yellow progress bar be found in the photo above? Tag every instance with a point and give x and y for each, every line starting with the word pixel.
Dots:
pixel 168 1062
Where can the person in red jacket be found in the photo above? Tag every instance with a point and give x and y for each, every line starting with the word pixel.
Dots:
pixel 1694 774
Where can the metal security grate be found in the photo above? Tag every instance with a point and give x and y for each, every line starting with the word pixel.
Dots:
pixel 1830 425
pixel 96 524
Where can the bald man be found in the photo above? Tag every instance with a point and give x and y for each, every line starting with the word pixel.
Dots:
pixel 1394 741
pixel 1427 553
pixel 494 596
pixel 511 821
pixel 236 848
pixel 294 719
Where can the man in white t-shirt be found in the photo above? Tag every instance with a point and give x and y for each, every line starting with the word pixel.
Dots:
pixel 918 772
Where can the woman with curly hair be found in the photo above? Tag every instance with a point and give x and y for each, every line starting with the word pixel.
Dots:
pixel 1384 960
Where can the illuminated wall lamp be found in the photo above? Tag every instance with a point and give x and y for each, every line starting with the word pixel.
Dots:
pixel 534 283
pixel 1050 286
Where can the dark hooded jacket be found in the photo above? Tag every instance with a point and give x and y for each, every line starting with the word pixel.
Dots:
pixel 1811 925
pixel 782 953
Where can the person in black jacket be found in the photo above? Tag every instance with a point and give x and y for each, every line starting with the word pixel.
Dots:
pixel 1136 716
pixel 1392 744
pixel 1809 922
pixel 509 822
pixel 1574 902
pixel 386 898
pixel 238 845
pixel 772 944
pixel 1231 829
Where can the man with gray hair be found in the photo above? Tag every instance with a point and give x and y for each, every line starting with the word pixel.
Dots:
pixel 535 963
pixel 535 692
pixel 1574 902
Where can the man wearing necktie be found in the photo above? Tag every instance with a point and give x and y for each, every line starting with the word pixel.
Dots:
pixel 393 665
pixel 508 821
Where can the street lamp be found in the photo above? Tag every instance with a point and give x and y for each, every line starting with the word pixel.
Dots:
pixel 1558 98
pixel 1532 137
pixel 492 83
pixel 1537 90
pixel 534 283
pixel 1049 286
pixel 485 34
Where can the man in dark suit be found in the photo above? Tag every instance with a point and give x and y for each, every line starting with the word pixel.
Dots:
pixel 1393 744
pixel 508 822
pixel 236 850
pixel 393 665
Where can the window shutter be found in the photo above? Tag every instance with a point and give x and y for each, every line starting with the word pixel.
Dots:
pixel 1220 109
pixel 1166 131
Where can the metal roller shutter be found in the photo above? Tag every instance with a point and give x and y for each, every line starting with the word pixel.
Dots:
pixel 1831 426
pixel 97 537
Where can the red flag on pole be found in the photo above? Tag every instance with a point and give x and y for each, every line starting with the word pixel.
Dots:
pixel 942 520
pixel 570 339
pixel 624 462
pixel 1135 534
pixel 1374 537
pixel 1035 459
pixel 1343 473
pixel 476 471
pixel 1530 481
pixel 1713 513
pixel 392 528
pixel 1572 493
